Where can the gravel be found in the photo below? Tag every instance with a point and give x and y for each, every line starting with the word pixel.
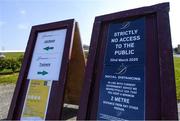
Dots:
pixel 6 93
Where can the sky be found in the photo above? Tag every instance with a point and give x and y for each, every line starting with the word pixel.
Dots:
pixel 18 16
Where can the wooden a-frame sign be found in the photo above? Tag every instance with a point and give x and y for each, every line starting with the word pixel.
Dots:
pixel 49 76
pixel 130 72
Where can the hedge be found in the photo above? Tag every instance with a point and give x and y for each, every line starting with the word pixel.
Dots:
pixel 12 64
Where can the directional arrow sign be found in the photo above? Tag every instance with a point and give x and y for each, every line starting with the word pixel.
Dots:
pixel 47 55
pixel 42 72
pixel 48 48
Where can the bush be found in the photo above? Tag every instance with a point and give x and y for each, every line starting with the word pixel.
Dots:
pixel 2 64
pixel 20 59
pixel 176 50
pixel 7 64
pixel 12 64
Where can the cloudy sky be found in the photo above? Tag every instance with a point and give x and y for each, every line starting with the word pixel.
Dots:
pixel 17 17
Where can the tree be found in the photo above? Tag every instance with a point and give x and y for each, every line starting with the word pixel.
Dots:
pixel 176 50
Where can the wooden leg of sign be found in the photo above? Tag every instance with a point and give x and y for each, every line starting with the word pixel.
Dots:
pixel 75 71
pixel 75 76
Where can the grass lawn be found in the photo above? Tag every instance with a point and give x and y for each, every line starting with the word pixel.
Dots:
pixel 9 78
pixel 177 75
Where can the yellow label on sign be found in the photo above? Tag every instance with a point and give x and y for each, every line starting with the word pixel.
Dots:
pixel 36 99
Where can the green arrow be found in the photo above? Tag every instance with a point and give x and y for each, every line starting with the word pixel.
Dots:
pixel 42 72
pixel 48 48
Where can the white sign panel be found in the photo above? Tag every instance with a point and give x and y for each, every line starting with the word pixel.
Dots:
pixel 47 55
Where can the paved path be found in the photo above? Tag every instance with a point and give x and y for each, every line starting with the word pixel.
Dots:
pixel 6 92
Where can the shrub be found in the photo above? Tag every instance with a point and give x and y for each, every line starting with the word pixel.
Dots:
pixel 2 64
pixel 12 64
pixel 20 59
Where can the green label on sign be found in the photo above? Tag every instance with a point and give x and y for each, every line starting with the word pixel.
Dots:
pixel 48 48
pixel 42 72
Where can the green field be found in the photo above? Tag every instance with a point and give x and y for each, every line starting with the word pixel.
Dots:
pixel 13 55
pixel 12 77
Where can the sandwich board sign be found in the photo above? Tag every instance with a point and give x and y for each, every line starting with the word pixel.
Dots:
pixel 130 72
pixel 52 50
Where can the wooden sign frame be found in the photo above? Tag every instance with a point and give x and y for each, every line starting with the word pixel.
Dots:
pixel 72 47
pixel 160 81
